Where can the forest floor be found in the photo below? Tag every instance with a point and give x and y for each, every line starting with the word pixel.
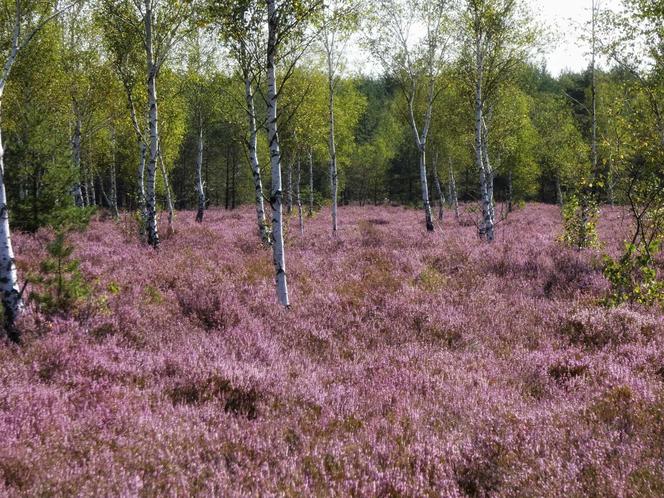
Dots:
pixel 409 365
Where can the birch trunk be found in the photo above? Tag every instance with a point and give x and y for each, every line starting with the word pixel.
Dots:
pixel 486 177
pixel 559 192
pixel 91 188
pixel 334 183
pixel 276 197
pixel 289 197
pixel 421 142
pixel 593 90
pixel 425 189
pixel 311 183
pixel 114 181
pixel 142 151
pixel 199 173
pixel 76 156
pixel 151 198
pixel 169 197
pixel 142 198
pixel 12 297
pixel 510 193
pixel 12 301
pixel 453 193
pixel 298 197
pixel 263 230
pixel 439 191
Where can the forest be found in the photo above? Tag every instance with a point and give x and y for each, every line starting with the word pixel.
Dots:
pixel 330 248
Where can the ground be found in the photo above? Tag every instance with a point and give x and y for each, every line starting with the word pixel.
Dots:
pixel 410 364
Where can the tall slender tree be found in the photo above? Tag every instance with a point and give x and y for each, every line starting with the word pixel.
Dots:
pixel 338 21
pixel 283 20
pixel 497 37
pixel 416 63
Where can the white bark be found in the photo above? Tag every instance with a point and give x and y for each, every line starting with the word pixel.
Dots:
pixel 421 143
pixel 425 189
pixel 276 197
pixel 486 176
pixel 289 176
pixel 298 197
pixel 114 183
pixel 199 173
pixel 12 296
pixel 263 229
pixel 439 190
pixel 169 197
pixel 334 180
pixel 142 151
pixel 12 299
pixel 311 183
pixel 76 156
pixel 453 193
pixel 91 189
pixel 151 197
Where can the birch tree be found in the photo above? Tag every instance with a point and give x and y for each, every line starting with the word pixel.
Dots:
pixel 497 36
pixel 416 63
pixel 283 20
pixel 158 24
pixel 241 24
pixel 198 79
pixel 20 21
pixel 338 21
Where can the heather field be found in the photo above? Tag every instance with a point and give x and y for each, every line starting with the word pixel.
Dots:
pixel 410 364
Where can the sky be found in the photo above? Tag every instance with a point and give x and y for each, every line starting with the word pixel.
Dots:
pixel 564 18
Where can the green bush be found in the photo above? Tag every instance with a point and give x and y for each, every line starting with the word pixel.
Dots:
pixel 580 215
pixel 633 277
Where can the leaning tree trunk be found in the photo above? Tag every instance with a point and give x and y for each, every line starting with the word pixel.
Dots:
pixel 276 197
pixel 263 229
pixel 439 191
pixel 151 197
pixel 199 173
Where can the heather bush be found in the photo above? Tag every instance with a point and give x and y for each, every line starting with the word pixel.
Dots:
pixel 407 366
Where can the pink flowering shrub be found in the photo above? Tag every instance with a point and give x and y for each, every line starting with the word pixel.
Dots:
pixel 411 364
